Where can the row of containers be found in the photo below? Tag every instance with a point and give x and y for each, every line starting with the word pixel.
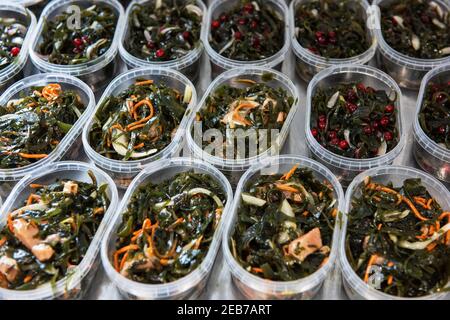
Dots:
pixel 407 71
pixel 333 170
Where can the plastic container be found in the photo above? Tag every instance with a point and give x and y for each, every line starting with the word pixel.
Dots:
pixel 97 72
pixel 124 171
pixel 347 168
pixel 354 286
pixel 191 285
pixel 77 284
pixel 36 6
pixel 14 71
pixel 308 64
pixel 407 71
pixel 69 145
pixel 254 287
pixel 234 168
pixel 430 156
pixel 220 63
pixel 189 65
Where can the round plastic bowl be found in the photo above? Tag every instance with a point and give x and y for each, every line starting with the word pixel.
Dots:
pixel 124 171
pixel 254 287
pixel 309 64
pixel 189 65
pixel 14 71
pixel 220 63
pixel 191 285
pixel 347 168
pixel 9 177
pixel 354 286
pixel 407 71
pixel 234 168
pixel 77 284
pixel 431 157
pixel 97 72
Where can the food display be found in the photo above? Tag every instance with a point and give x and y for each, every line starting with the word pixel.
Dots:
pixel 284 225
pixel 168 227
pixel 402 234
pixel 12 35
pixel 45 239
pixel 33 125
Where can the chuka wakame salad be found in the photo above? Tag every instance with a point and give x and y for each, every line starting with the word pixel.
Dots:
pixel 140 121
pixel 12 34
pixel 168 228
pixel 45 239
pixel 405 233
pixel 164 30
pixel 32 126
pixel 64 42
pixel 285 225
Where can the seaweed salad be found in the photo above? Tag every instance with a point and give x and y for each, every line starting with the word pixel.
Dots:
pixel 332 29
pixel 140 121
pixel 405 233
pixel 44 240
pixel 32 126
pixel 81 43
pixel 285 225
pixel 12 34
pixel 354 121
pixel 168 228
pixel 251 30
pixel 164 30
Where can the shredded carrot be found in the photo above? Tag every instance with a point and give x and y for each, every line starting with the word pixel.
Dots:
pixel 143 83
pixel 2 241
pixel 33 197
pixel 33 156
pixel 290 173
pixel 146 102
pixel 390 280
pixel 164 262
pixel 120 251
pixel 372 260
pixel 122 262
pixel 378 199
pixel 430 201
pixel 143 120
pixel 10 223
pixel 245 81
pixel 334 213
pixel 284 187
pixel 198 242
pixel 443 215
pixel 137 127
pixel 257 270
pixel 431 246
pixel 51 91
pixel 28 278
pixel 36 186
pixel 139 146
pixel 379 227
pixel 374 186
pixel 305 213
pixel 117 126
pixel 98 210
pixel 414 209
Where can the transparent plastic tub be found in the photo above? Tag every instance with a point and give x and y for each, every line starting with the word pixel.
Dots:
pixel 36 6
pixel 220 63
pixel 70 145
pixel 254 287
pixel 234 168
pixel 191 285
pixel 354 286
pixel 308 64
pixel 97 72
pixel 189 65
pixel 14 71
pixel 77 284
pixel 407 71
pixel 347 168
pixel 430 156
pixel 124 171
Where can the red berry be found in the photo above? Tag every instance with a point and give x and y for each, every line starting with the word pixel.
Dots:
pixel 15 51
pixel 314 132
pixel 256 42
pixel 322 40
pixel 334 141
pixel 343 144
pixel 223 18
pixel 351 107
pixel 332 34
pixel 186 35
pixel 238 35
pixel 215 24
pixel 389 108
pixel 394 22
pixel 332 40
pixel 388 136
pixel 441 130
pixel 151 45
pixel 384 121
pixel 77 42
pixel 319 34
pixel 322 118
pixel 254 24
pixel 242 21
pixel 361 87
pixel 160 53
pixel 313 50
pixel 248 8
pixel 332 135
pixel 440 98
pixel 375 125
pixel 322 125
pixel 351 95
pixel 367 130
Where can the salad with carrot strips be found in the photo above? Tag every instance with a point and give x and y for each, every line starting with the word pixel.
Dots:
pixel 168 228
pixel 285 225
pixel 248 106
pixel 44 240
pixel 140 121
pixel 402 236
pixel 33 125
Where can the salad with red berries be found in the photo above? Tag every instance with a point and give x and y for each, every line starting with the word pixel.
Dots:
pixel 12 34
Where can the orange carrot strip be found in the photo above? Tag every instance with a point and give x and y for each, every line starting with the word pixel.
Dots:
pixel 372 260
pixel 28 278
pixel 257 270
pixel 2 241
pixel 120 251
pixel 414 209
pixel 284 187
pixel 142 83
pixel 290 173
pixel 33 156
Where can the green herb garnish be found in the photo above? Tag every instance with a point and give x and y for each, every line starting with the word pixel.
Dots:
pixel 417 28
pixel 139 122
pixel 332 29
pixel 164 30
pixel 49 236
pixel 434 116
pixel 67 45
pixel 168 228
pixel 285 225
pixel 402 232
pixel 32 126
pixel 252 30
pixel 12 34
pixel 354 121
